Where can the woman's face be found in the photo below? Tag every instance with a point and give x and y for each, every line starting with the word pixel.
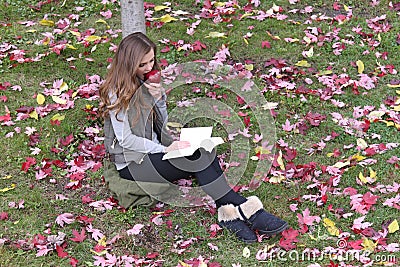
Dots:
pixel 146 64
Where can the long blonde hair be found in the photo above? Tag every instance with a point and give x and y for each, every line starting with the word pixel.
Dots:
pixel 121 79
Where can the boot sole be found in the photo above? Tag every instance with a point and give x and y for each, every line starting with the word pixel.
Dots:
pixel 275 231
pixel 247 241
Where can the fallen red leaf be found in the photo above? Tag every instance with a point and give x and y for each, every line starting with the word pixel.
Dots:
pixel 60 252
pixel 79 237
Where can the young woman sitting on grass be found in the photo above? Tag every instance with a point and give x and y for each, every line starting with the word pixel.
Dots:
pixel 136 139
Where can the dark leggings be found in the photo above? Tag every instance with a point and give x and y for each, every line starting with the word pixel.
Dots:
pixel 204 166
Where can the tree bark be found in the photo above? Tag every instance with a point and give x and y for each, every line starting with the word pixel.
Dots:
pixel 132 17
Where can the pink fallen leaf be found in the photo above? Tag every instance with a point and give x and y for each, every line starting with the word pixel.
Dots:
pixel 135 230
pixel 359 224
pixel 289 238
pixel 96 233
pixel 265 44
pixel 65 218
pixel 212 246
pixel 73 262
pixel 3 216
pixel 369 198
pixel 306 219
pixel 287 127
pixel 43 250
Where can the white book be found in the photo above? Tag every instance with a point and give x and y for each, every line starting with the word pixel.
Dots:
pixel 199 137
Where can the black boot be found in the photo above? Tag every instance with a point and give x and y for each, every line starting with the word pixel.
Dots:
pixel 252 212
pixel 229 218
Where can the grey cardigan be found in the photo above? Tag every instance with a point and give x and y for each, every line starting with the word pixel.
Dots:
pixel 142 128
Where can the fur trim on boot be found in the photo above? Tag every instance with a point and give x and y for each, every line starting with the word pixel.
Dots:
pixel 253 213
pixel 229 218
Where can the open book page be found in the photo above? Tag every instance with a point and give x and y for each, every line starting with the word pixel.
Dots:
pixel 198 137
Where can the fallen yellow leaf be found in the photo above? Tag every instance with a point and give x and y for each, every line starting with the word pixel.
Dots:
pixel 77 34
pixel 358 157
pixel 307 39
pixel 64 87
pixel 362 178
pixel 324 72
pixel 57 117
pixel 40 99
pixel 59 100
pixel 280 161
pixel 245 15
pixel 368 245
pixel 361 143
pixel 376 114
pixel 102 241
pixel 310 52
pixel 216 35
pixel 277 179
pixel 46 22
pixel 167 18
pixel 249 67
pixel 92 38
pixel 360 66
pixel 303 63
pixel 393 227
pixel 34 115
pixel 8 188
pixel 101 21
pixel 262 150
pixel 331 227
pixel 275 37
pixel 341 164
pixel 184 264
pixel 71 47
pixel 372 173
pixel 158 8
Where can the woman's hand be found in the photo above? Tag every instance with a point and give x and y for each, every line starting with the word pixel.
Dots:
pixel 155 89
pixel 176 145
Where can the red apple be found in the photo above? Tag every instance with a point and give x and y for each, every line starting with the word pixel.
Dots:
pixel 153 76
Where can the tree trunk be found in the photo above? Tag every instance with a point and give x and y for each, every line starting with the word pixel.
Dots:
pixel 132 17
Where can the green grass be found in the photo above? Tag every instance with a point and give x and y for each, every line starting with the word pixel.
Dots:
pixel 41 207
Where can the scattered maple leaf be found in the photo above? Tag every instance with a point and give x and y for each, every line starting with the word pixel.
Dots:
pixel 3 216
pixel 60 252
pixel 28 163
pixel 289 238
pixel 73 262
pixel 79 237
pixel 67 218
pixel 135 230
pixel 306 219
pixel 265 44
